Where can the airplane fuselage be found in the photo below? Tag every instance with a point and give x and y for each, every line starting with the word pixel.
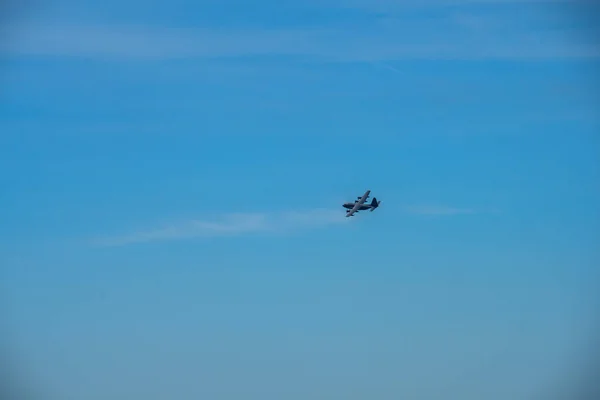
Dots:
pixel 349 206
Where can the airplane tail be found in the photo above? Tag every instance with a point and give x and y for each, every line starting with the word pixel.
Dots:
pixel 374 203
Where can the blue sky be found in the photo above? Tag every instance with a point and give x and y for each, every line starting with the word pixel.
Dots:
pixel 172 177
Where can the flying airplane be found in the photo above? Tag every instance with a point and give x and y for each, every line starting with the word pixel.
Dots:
pixel 360 205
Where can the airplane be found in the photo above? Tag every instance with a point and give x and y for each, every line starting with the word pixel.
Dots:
pixel 360 205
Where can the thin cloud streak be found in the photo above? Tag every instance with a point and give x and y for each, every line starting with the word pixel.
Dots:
pixel 238 224
pixel 378 4
pixel 233 224
pixel 380 44
pixel 443 210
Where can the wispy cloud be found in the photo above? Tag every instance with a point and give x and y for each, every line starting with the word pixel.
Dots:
pixel 438 210
pixel 135 42
pixel 238 224
pixel 233 224
pixel 441 35
pixel 443 210
pixel 389 67
pixel 429 3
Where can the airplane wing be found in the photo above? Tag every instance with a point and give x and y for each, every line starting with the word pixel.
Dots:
pixel 359 203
